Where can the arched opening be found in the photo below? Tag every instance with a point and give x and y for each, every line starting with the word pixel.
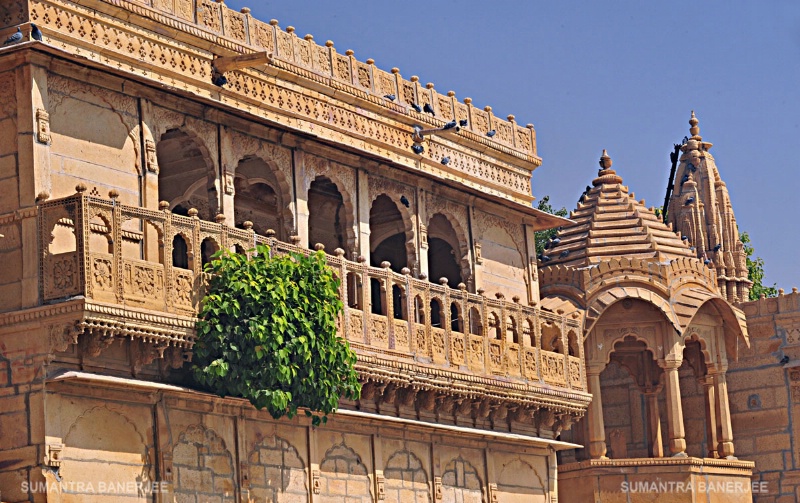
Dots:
pixel 377 296
pixel 475 324
pixel 456 323
pixel 186 174
pixel 398 302
pixel 494 327
pixel 437 315
pixel 443 252
pixel 419 310
pixel 551 338
pixel 387 239
pixel 327 220
pixel 528 333
pixel 207 250
pixel 258 198
pixel 180 252
pixel 239 249
pixel 572 338
pixel 354 290
pixel 512 334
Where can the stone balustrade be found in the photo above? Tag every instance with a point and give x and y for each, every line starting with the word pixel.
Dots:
pixel 153 260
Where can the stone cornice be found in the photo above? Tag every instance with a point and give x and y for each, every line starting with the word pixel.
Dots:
pixel 690 462
pixel 178 55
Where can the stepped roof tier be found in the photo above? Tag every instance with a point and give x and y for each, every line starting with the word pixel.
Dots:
pixel 610 222
pixel 617 249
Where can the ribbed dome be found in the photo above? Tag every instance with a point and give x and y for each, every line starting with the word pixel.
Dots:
pixel 609 222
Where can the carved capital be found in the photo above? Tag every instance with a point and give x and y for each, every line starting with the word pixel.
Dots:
pixel 52 454
pixel 315 484
pixel 493 492
pixel 381 483
pixel 229 187
pixel 166 465
pixel 150 157
pixel 438 494
pixel 42 126
pixel 478 256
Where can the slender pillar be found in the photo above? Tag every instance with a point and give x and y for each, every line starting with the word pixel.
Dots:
pixel 711 415
pixel 654 425
pixel 676 432
pixel 597 431
pixel 725 439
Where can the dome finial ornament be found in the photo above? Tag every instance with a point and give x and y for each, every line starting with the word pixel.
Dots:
pixel 606 174
pixel 694 130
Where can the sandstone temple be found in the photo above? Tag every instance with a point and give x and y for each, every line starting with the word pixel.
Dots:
pixel 139 137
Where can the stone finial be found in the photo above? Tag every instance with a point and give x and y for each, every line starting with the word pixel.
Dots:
pixel 462 287
pixel 606 174
pixel 245 10
pixel 309 37
pixel 395 70
pixel 329 43
pixel 605 160
pixel 219 218
pixel 319 247
pixel 270 233
pixel 450 94
pixel 163 205
pixel 192 212
pixel 481 291
pixel 694 130
pixel 386 264
pixel 349 52
pixel 295 239
pixel 516 299
pixel 500 295
pixel 361 259
pixel 42 196
pixel 290 29
pixel 273 22
pixel 443 281
pixel 113 194
pixel 247 225
pixel 370 61
pixel 405 271
pixel 338 252
pixel 80 188
pixel 423 276
pixel 467 100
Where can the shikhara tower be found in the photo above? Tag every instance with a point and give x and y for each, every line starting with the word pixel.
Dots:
pixel 700 209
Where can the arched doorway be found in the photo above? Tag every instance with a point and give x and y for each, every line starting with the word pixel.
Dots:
pixel 327 220
pixel 387 242
pixel 186 174
pixel 444 252
pixel 259 198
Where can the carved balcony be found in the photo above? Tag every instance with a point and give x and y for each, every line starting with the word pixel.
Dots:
pixel 137 273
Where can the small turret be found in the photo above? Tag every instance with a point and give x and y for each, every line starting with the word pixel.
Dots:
pixel 700 208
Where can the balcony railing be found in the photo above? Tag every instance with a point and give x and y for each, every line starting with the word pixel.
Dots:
pixel 153 259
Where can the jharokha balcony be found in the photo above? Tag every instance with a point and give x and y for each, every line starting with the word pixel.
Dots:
pixel 134 275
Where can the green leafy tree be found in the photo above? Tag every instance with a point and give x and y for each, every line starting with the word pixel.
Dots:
pixel 755 271
pixel 543 237
pixel 268 333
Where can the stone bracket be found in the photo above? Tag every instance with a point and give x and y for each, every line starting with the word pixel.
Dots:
pixel 52 455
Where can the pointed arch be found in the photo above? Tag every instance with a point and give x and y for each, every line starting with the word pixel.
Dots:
pixel 262 195
pixel 187 174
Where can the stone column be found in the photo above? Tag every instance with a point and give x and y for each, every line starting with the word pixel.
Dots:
pixel 301 199
pixel 597 432
pixel 422 233
pixel 725 431
pixel 654 425
pixel 677 441
pixel 363 206
pixel 711 414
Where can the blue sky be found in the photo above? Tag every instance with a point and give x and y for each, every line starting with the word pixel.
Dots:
pixel 617 75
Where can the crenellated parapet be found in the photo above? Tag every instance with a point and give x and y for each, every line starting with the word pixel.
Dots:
pixel 306 87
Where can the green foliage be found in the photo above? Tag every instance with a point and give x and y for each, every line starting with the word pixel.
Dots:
pixel 268 333
pixel 543 237
pixel 755 272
